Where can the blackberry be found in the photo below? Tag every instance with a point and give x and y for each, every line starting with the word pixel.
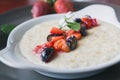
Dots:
pixel 78 20
pixel 47 54
pixel 83 31
pixel 72 42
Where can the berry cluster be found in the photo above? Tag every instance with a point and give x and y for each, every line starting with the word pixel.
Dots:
pixel 64 40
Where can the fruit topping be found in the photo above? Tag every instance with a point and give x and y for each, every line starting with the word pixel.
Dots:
pixel 49 44
pixel 64 40
pixel 69 32
pixel 72 42
pixel 77 35
pixel 61 45
pixel 53 37
pixel 89 21
pixel 94 22
pixel 56 30
pixel 47 54
pixel 38 49
pixel 78 20
pixel 56 38
pixel 83 31
pixel 49 37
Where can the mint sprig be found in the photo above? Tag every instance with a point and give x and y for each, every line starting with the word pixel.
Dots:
pixel 7 28
pixel 66 22
pixel 73 25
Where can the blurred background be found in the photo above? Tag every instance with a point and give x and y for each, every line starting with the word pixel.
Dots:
pixel 6 5
pixel 7 73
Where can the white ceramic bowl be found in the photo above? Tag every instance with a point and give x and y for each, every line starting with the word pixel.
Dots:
pixel 14 59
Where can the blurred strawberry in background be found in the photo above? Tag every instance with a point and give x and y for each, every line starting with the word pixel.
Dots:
pixel 63 6
pixel 43 7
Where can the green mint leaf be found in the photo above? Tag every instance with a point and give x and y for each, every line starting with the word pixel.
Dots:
pixel 7 28
pixel 73 25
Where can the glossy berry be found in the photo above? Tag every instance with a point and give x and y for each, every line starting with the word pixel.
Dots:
pixel 72 42
pixel 47 54
pixel 49 37
pixel 78 20
pixel 83 31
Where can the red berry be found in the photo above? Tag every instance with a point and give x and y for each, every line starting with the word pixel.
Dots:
pixel 61 45
pixel 41 8
pixel 88 22
pixel 69 32
pixel 49 44
pixel 56 38
pixel 94 22
pixel 56 30
pixel 63 6
pixel 38 49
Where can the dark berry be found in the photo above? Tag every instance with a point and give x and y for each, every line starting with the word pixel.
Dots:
pixel 49 37
pixel 47 54
pixel 72 42
pixel 78 20
pixel 83 31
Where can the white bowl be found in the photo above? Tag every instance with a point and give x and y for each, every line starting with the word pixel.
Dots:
pixel 14 59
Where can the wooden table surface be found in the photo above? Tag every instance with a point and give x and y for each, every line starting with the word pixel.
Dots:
pixel 7 5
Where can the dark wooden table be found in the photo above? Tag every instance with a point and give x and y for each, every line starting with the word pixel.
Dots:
pixel 7 5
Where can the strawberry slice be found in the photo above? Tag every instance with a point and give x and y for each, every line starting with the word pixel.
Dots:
pixel 56 38
pixel 49 44
pixel 77 35
pixel 38 49
pixel 61 45
pixel 74 33
pixel 69 32
pixel 88 22
pixel 94 22
pixel 56 30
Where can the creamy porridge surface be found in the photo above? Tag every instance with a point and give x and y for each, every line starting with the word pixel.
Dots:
pixel 100 45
